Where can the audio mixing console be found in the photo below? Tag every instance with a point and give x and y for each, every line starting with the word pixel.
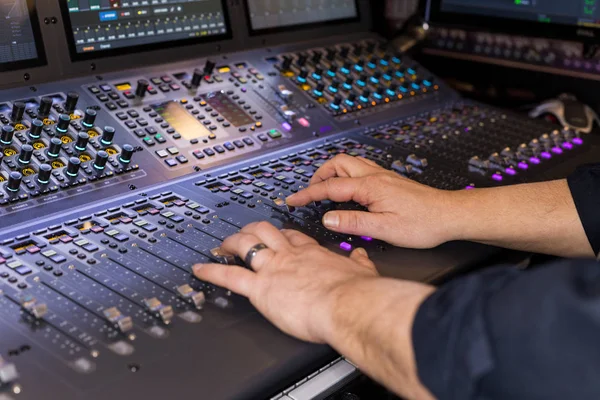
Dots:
pixel 113 185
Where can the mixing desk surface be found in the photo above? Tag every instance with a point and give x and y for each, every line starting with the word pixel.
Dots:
pixel 112 186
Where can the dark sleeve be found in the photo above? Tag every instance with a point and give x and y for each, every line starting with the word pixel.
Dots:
pixel 585 188
pixel 511 334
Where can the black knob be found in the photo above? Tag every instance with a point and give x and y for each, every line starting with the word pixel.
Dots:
pixel 54 148
pixel 89 119
pixel 360 63
pixel 331 53
pixel 101 159
pixel 347 65
pixel 71 103
pixel 44 174
pixel 344 52
pixel 35 132
pixel 363 78
pixel 17 111
pixel 142 88
pixel 393 87
pixel 316 58
pixel 45 107
pixel 349 81
pixel 337 100
pixel 209 67
pixel 335 83
pixel 197 77
pixel 374 60
pixel 73 166
pixel 380 91
pixel 303 73
pixel 63 123
pixel 358 50
pixel 14 181
pixel 301 61
pixel 82 141
pixel 333 69
pixel 286 63
pixel 126 154
pixel 319 70
pixel 26 153
pixel 371 47
pixel 108 135
pixel 320 87
pixel 366 93
pixel 352 96
pixel 7 134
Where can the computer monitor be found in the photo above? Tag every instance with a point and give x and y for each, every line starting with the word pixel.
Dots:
pixel 21 44
pixel 267 16
pixel 100 28
pixel 576 19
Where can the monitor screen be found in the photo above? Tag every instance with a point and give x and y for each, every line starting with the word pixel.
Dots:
pixel 97 28
pixel 575 12
pixel 277 14
pixel 20 40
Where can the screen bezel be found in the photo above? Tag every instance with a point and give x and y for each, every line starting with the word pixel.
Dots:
pixel 119 51
pixel 531 28
pixel 40 60
pixel 298 27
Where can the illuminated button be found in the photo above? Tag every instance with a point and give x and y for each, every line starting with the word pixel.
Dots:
pixel 274 134
pixel 212 136
pixel 171 162
pixel 182 159
pixel 173 150
pixel 162 153
pixel 198 154
pixel 228 146
pixel 184 101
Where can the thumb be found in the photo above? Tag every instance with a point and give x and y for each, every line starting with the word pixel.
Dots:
pixel 355 223
pixel 361 256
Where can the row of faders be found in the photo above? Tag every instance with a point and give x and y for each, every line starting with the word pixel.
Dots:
pixel 350 78
pixel 48 145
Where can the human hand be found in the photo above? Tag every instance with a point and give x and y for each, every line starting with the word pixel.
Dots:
pixel 295 281
pixel 401 212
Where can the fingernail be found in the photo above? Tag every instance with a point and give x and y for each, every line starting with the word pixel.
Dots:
pixel 362 252
pixel 196 268
pixel 331 220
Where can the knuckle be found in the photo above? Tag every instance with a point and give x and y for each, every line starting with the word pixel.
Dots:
pixel 262 225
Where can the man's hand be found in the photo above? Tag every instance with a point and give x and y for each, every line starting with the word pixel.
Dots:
pixel 296 280
pixel 319 296
pixel 401 212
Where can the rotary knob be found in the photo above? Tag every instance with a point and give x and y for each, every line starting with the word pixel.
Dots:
pixel 71 103
pixel 54 148
pixel 101 159
pixel 197 77
pixel 63 123
pixel 35 132
pixel 14 181
pixel 89 118
pixel 7 134
pixel 142 88
pixel 44 174
pixel 45 107
pixel 26 154
pixel 126 154
pixel 73 167
pixel 108 135
pixel 286 63
pixel 17 111
pixel 209 67
pixel 82 141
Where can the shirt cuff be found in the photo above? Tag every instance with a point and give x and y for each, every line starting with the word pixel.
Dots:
pixel 584 184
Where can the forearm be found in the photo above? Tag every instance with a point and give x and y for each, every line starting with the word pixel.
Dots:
pixel 374 330
pixel 539 217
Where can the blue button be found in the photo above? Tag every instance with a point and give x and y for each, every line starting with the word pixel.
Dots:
pixel 108 16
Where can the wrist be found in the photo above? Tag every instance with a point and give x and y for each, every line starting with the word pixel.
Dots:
pixel 460 218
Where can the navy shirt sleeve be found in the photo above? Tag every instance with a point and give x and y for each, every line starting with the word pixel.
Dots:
pixel 585 188
pixel 513 334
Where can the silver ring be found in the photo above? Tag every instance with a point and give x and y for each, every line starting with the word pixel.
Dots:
pixel 253 252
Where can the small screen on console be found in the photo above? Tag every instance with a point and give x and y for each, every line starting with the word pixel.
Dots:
pixel 228 109
pixel 123 26
pixel 186 125
pixel 20 40
pixel 275 14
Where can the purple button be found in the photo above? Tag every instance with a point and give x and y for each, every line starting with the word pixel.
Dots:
pixel 567 145
pixel 523 165
pixel 557 150
pixel 578 141
pixel 470 187
pixel 510 171
pixel 546 155
pixel 286 126
pixel 367 238
pixel 346 246
pixel 497 177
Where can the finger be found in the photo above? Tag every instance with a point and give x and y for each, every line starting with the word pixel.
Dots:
pixel 242 243
pixel 237 279
pixel 343 166
pixel 368 162
pixel 335 189
pixel 298 238
pixel 356 223
pixel 268 235
pixel 361 256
